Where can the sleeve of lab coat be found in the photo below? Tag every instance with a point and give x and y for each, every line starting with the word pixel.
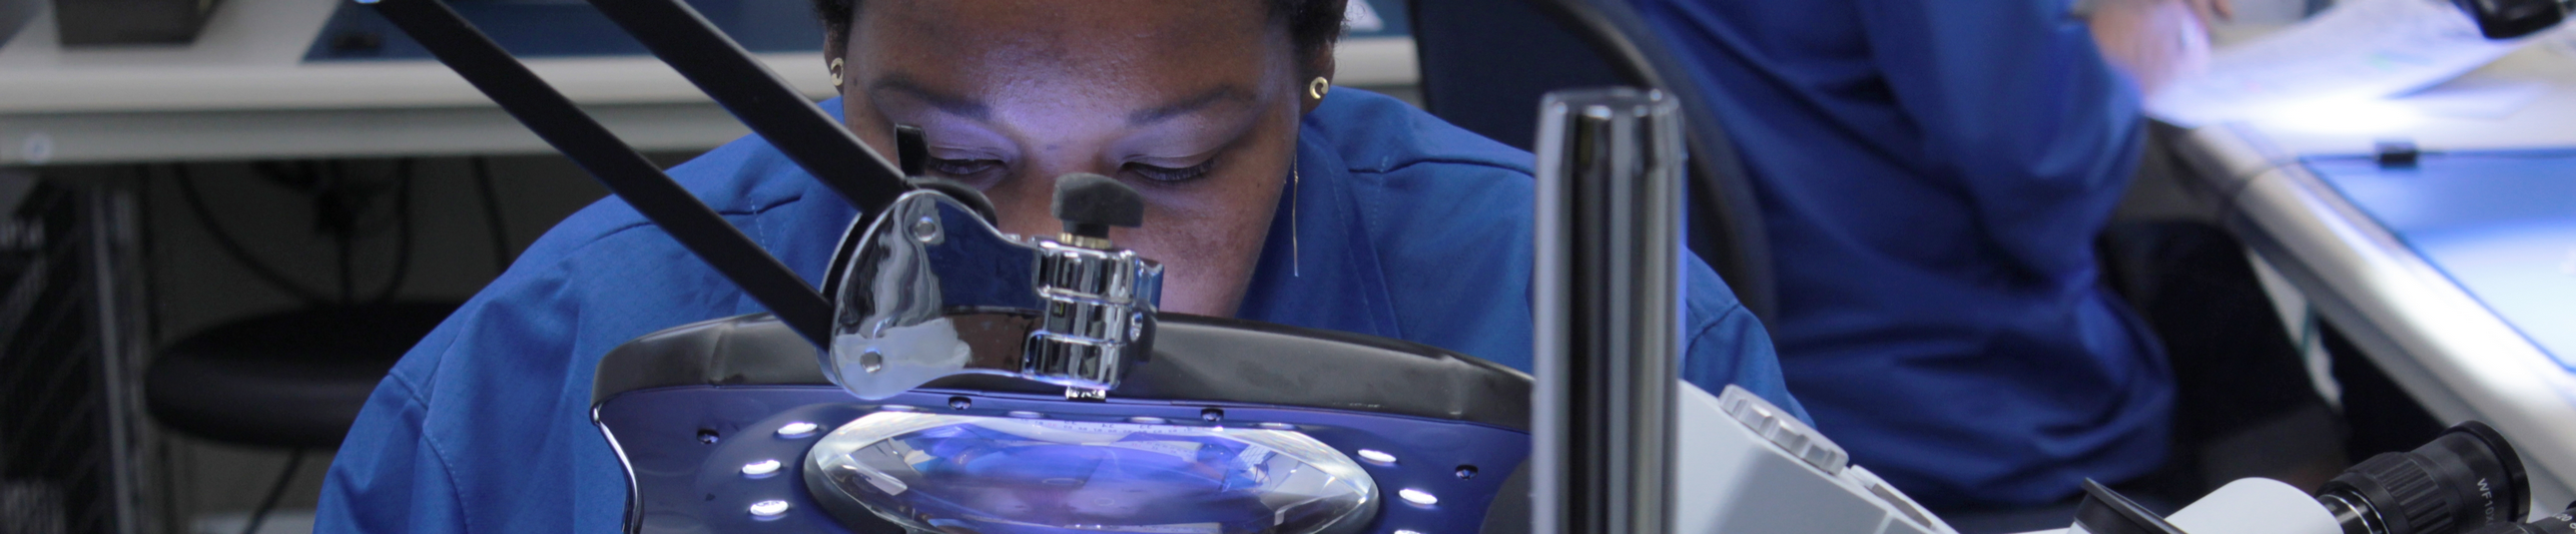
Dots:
pixel 1724 344
pixel 483 427
pixel 389 477
pixel 2016 103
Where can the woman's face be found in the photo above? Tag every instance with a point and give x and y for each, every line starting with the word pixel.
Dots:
pixel 1193 102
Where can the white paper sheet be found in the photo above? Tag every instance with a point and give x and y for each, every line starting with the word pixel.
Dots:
pixel 2359 50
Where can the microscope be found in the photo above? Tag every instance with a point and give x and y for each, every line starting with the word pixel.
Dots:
pixel 2466 481
pixel 949 377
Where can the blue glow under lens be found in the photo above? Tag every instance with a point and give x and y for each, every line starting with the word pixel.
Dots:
pixel 996 475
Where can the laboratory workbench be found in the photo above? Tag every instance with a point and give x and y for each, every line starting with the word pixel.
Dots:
pixel 2455 274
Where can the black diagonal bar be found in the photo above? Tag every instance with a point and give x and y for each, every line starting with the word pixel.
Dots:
pixel 625 172
pixel 720 67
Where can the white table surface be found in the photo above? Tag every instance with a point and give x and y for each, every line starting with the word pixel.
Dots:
pixel 2450 352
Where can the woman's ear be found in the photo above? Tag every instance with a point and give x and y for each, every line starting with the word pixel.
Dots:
pixel 835 48
pixel 1319 64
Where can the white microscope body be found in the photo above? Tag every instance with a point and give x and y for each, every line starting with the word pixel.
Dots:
pixel 1745 466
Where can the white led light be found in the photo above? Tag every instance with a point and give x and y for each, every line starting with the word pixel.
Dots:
pixel 1028 415
pixel 1407 531
pixel 898 408
pixel 1279 426
pixel 760 468
pixel 1142 420
pixel 1417 497
pixel 797 429
pixel 1376 457
pixel 768 509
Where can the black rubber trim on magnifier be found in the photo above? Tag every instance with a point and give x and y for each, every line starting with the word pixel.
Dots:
pixel 1229 361
pixel 615 164
pixel 717 65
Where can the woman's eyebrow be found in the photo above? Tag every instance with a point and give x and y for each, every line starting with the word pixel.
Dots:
pixel 1223 93
pixel 953 104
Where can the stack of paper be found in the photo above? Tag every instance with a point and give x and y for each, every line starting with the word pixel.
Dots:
pixel 2360 50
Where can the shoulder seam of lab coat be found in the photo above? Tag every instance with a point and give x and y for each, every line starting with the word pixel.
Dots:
pixel 411 395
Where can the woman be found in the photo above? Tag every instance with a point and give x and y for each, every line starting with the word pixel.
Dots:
pixel 1271 196
pixel 1944 170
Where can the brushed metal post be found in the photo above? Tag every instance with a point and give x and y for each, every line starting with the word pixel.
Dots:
pixel 1607 299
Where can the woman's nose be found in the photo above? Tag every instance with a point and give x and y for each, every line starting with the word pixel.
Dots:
pixel 1024 200
pixel 1023 205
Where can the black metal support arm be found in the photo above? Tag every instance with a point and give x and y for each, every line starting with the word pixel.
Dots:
pixel 720 67
pixel 626 173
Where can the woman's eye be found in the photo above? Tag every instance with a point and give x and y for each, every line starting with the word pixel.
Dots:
pixel 963 167
pixel 1169 174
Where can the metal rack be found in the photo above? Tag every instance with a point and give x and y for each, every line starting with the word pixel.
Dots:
pixel 69 353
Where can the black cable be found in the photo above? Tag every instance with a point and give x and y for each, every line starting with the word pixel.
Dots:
pixel 277 491
pixel 341 220
pixel 492 216
pixel 348 264
pixel 205 218
pixel 402 231
pixel 301 177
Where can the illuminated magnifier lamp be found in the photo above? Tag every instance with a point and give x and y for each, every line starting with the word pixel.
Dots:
pixel 1002 386
pixel 931 292
pixel 971 381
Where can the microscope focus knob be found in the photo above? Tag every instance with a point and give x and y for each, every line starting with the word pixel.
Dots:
pixel 1784 430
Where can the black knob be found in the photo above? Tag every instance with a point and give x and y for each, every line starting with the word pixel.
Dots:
pixel 1089 204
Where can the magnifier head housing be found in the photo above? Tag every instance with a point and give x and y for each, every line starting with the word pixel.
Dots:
pixel 930 288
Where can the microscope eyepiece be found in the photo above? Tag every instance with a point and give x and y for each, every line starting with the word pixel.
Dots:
pixel 2467 478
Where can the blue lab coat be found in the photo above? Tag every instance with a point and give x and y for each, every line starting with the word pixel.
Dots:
pixel 1933 173
pixel 1411 229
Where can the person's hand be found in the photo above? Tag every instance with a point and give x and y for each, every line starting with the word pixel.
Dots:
pixel 2213 10
pixel 2156 42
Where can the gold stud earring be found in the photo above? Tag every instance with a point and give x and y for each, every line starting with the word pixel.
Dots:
pixel 1319 88
pixel 836 72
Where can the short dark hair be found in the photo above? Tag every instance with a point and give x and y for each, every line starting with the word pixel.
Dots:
pixel 1312 24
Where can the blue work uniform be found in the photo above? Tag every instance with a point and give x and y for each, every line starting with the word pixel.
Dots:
pixel 1932 174
pixel 1409 228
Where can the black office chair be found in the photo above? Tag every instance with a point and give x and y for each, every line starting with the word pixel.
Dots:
pixel 1486 63
pixel 297 379
pixel 290 380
